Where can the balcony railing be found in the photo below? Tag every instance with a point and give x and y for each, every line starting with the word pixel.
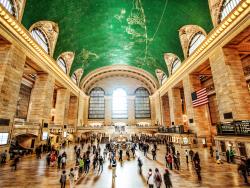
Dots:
pixel 246 70
pixel 236 128
pixel 176 129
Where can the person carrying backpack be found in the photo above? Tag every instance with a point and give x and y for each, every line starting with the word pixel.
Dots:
pixel 71 178
pixel 140 165
pixel 150 180
pixel 63 179
pixel 157 178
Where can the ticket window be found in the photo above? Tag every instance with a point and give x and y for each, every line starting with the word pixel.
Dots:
pixel 223 146
pixel 242 149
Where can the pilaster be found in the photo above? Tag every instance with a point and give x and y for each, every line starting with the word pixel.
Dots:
pixel 41 99
pixel 230 85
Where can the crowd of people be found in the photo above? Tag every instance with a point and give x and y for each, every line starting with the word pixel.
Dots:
pixel 90 155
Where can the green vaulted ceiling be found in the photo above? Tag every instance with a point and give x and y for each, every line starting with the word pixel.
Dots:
pixel 106 32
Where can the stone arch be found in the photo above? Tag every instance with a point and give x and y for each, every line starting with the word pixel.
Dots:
pixel 160 75
pixel 170 58
pixel 215 9
pixel 186 34
pixel 78 72
pixel 51 30
pixel 68 57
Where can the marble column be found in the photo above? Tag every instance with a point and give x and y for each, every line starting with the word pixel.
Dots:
pixel 175 106
pixel 230 84
pixel 86 110
pixel 152 108
pixel 131 110
pixel 62 107
pixel 12 61
pixel 73 111
pixel 200 115
pixel 41 99
pixel 81 110
pixel 166 111
pixel 108 110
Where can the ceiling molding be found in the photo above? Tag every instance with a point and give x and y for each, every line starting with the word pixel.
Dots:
pixel 119 71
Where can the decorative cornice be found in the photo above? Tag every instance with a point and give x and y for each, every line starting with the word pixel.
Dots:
pixel 16 32
pixel 144 76
pixel 213 39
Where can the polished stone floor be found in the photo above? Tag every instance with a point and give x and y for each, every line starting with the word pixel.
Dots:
pixel 33 173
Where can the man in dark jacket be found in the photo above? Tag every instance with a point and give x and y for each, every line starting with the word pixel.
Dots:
pixel 243 170
pixel 166 178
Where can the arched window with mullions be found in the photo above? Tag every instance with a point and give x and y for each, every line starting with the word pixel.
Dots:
pixel 227 7
pixel 119 104
pixel 175 65
pixel 61 63
pixel 41 39
pixel 97 104
pixel 197 39
pixel 10 6
pixel 142 103
pixel 74 78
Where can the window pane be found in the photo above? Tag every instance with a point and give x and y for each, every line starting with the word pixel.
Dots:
pixel 175 65
pixel 74 78
pixel 96 104
pixel 142 103
pixel 62 64
pixel 195 42
pixel 40 38
pixel 119 104
pixel 227 7
pixel 4 138
pixel 9 5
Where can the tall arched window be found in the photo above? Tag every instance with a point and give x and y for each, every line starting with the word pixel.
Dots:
pixel 227 7
pixel 74 78
pixel 175 65
pixel 96 104
pixel 62 64
pixel 41 39
pixel 9 5
pixel 164 79
pixel 197 39
pixel 142 103
pixel 119 104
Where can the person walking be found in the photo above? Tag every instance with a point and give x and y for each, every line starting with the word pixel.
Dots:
pixel 157 178
pixel 3 157
pixel 243 170
pixel 63 161
pixel 154 154
pixel 198 170
pixel 120 154
pixel 100 164
pixel 150 179
pixel 166 178
pixel 191 154
pixel 140 165
pixel 211 152
pixel 231 155
pixel 186 153
pixel 114 169
pixel 81 165
pixel 228 156
pixel 170 161
pixel 71 178
pixel 59 158
pixel 63 179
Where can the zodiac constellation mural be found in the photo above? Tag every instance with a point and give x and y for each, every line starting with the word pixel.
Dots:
pixel 86 56
pixel 136 27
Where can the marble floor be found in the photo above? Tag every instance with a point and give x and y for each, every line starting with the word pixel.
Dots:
pixel 33 173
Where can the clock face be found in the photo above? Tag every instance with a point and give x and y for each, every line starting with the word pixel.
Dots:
pixel 185 140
